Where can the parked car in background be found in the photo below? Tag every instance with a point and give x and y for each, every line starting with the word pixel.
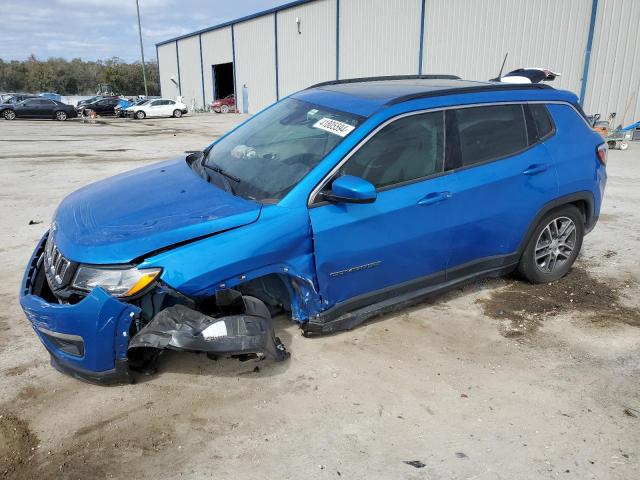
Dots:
pixel 103 106
pixel 52 96
pixel 343 201
pixel 121 108
pixel 38 107
pixel 161 107
pixel 87 101
pixel 224 105
pixel 17 97
pixel 81 103
pixel 122 105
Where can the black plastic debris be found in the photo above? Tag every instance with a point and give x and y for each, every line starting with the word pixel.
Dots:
pixel 415 463
pixel 243 329
pixel 35 222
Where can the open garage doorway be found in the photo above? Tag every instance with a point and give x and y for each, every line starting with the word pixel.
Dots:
pixel 222 76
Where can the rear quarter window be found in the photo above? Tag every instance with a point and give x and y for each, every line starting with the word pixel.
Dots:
pixel 489 133
pixel 542 120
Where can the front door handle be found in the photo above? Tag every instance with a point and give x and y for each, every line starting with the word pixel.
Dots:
pixel 536 168
pixel 433 198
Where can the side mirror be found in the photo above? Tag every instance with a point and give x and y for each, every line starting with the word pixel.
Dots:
pixel 350 189
pixel 193 157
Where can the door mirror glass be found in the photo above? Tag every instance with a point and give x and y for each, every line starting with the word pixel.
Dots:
pixel 350 189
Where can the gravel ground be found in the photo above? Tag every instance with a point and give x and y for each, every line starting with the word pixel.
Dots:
pixel 497 380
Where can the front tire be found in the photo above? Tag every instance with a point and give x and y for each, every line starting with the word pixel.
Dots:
pixel 9 115
pixel 177 113
pixel 140 115
pixel 224 108
pixel 61 116
pixel 554 246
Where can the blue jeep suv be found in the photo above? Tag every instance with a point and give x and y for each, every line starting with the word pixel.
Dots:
pixel 343 201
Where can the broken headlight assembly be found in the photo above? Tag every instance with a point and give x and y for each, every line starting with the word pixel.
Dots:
pixel 119 282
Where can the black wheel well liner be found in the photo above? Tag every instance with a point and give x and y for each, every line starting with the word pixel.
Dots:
pixel 273 289
pixel 582 200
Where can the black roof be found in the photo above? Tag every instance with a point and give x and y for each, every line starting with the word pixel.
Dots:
pixel 397 89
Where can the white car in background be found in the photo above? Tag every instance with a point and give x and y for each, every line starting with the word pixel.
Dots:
pixel 160 107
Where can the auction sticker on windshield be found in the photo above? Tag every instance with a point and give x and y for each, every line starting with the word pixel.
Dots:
pixel 334 126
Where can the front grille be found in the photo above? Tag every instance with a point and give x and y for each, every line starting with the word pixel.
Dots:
pixel 58 269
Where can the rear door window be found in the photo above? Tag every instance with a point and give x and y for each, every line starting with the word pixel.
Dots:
pixel 407 149
pixel 487 133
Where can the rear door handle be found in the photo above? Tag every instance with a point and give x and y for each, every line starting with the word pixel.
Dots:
pixel 433 198
pixel 536 168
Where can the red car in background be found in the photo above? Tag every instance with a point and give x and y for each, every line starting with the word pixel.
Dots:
pixel 224 105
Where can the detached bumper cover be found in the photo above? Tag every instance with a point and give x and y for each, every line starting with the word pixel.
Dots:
pixel 88 339
pixel 247 331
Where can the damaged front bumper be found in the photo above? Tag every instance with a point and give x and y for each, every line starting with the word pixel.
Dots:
pixel 87 340
pixel 90 339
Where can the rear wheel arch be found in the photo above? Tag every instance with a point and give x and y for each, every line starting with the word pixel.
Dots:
pixel 586 209
pixel 582 200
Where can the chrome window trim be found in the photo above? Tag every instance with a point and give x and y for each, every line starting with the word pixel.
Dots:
pixel 318 188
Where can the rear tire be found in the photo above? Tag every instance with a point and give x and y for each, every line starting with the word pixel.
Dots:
pixel 61 116
pixel 9 114
pixel 140 115
pixel 554 246
pixel 224 108
pixel 177 113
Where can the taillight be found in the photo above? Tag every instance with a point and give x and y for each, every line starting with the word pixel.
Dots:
pixel 601 151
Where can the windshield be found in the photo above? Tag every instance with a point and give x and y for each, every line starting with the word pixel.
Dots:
pixel 266 157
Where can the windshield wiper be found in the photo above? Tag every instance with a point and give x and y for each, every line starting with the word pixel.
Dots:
pixel 220 171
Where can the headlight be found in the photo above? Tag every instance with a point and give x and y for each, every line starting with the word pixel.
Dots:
pixel 116 282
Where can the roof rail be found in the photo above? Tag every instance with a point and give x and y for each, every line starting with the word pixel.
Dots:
pixel 383 78
pixel 485 87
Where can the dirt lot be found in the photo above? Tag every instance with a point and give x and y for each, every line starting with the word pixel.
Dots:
pixel 499 380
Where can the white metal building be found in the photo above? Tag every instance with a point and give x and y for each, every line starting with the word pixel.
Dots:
pixel 595 44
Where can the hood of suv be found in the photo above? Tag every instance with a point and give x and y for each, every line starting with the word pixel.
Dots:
pixel 127 216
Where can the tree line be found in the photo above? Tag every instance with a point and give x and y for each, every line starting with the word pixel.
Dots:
pixel 76 77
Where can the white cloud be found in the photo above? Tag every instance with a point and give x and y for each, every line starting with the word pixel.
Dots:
pixel 98 29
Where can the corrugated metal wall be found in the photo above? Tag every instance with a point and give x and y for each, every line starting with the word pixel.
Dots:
pixel 168 65
pixel 379 37
pixel 614 72
pixel 307 57
pixel 216 48
pixel 190 72
pixel 470 38
pixel 256 62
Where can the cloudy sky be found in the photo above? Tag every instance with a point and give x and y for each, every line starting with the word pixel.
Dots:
pixel 99 29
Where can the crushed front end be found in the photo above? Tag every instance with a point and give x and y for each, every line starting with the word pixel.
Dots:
pixel 87 337
pixel 97 337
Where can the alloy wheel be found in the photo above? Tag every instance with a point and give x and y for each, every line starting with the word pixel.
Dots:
pixel 61 116
pixel 9 114
pixel 555 244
